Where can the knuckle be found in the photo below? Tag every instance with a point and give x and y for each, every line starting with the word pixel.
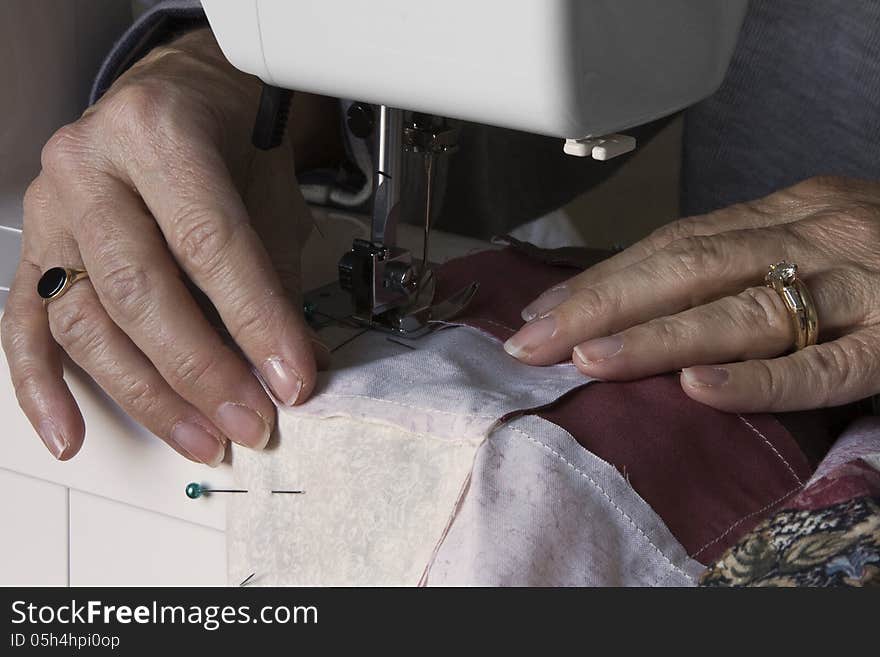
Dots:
pixel 591 302
pixel 74 328
pixel 147 113
pixel 134 109
pixel 669 333
pixel 258 318
pixel 201 238
pixel 829 371
pixel 861 223
pixel 66 151
pixel 695 257
pixel 849 230
pixel 138 396
pixel 762 307
pixel 25 383
pixel 13 334
pixel 126 288
pixel 34 200
pixel 22 372
pixel 771 386
pixel 192 370
pixel 824 185
pixel 672 232
pixel 10 334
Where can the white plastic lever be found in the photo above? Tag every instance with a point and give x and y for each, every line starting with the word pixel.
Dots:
pixel 600 148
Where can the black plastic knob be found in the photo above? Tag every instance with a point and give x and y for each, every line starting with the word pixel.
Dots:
pixel 361 120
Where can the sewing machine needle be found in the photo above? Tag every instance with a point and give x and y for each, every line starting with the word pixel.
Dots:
pixel 429 179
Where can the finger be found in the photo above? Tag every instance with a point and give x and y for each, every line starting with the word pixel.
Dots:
pixel 36 369
pixel 828 374
pixel 762 213
pixel 686 273
pixel 81 326
pixel 141 290
pixel 752 324
pixel 204 220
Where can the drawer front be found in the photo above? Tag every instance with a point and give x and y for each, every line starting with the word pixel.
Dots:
pixel 33 515
pixel 114 544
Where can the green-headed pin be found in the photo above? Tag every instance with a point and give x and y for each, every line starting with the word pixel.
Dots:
pixel 194 491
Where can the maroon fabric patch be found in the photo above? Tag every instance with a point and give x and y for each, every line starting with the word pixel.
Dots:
pixel 711 476
pixel 508 282
pixel 847 482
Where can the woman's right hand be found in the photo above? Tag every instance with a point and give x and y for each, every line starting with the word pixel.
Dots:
pixel 158 183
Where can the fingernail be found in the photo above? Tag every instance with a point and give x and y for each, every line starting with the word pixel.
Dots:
pixel 198 443
pixel 52 438
pixel 595 351
pixel 703 376
pixel 546 302
pixel 530 337
pixel 243 425
pixel 286 384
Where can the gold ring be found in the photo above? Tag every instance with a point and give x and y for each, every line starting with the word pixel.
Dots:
pixel 57 280
pixel 783 278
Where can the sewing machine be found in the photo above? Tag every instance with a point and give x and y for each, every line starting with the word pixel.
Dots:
pixel 117 514
pixel 580 70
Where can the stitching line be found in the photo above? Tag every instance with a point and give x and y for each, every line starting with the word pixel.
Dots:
pixel 414 408
pixel 490 321
pixel 770 445
pixel 386 424
pixel 744 518
pixel 607 497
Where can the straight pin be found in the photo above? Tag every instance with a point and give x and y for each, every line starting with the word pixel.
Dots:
pixel 194 491
pixel 341 322
pixel 289 492
pixel 351 339
pixel 402 344
pixel 248 579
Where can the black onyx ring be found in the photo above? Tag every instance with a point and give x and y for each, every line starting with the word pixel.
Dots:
pixel 57 280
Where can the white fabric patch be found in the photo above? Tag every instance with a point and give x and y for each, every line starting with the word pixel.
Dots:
pixel 382 450
pixel 456 383
pixel 543 511
pixel 376 501
pixel 385 453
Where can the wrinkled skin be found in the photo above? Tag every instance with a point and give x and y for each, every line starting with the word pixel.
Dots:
pixel 156 191
pixel 690 297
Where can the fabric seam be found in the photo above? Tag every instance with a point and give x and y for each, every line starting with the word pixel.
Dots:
pixel 772 447
pixel 744 518
pixel 402 405
pixel 378 422
pixel 490 321
pixel 607 497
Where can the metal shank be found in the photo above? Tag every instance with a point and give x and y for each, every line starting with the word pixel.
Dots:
pixel 389 153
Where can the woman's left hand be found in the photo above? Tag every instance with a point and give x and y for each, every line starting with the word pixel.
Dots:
pixel 691 296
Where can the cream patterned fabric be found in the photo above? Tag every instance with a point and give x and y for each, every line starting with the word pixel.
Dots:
pixel 385 454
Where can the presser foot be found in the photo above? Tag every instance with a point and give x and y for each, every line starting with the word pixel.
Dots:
pixel 423 315
pixel 333 305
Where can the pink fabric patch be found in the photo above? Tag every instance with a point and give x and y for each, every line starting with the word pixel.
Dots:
pixel 710 476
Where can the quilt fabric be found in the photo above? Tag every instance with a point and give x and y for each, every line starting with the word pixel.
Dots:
pixel 448 462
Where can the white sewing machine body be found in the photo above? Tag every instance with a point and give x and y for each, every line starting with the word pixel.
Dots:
pixel 563 68
pixel 117 514
pixel 576 69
